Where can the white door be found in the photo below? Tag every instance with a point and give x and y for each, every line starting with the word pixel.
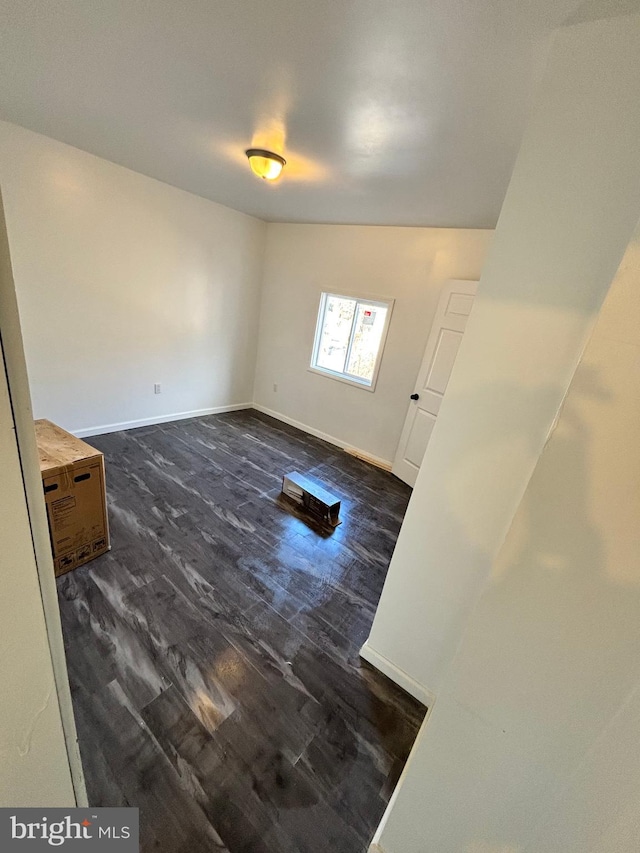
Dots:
pixel 439 357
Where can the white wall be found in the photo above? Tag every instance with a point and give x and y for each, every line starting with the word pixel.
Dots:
pixel 407 264
pixel 123 282
pixel 34 764
pixel 32 540
pixel 35 767
pixel 570 209
pixel 533 744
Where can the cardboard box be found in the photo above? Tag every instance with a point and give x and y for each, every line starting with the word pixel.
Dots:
pixel 312 496
pixel 74 492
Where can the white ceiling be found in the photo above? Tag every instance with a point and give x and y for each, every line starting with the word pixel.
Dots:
pixel 405 112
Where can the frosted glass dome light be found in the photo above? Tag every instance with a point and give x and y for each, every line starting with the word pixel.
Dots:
pixel 265 164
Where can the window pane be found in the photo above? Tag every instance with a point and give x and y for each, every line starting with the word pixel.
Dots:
pixel 334 335
pixel 368 328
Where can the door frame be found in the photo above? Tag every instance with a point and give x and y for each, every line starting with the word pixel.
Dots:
pixel 20 398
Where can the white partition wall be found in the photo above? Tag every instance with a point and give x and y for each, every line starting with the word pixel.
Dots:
pixel 569 212
pixel 531 641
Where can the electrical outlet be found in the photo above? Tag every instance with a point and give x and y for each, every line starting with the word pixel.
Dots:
pixel 157 388
pixel 275 386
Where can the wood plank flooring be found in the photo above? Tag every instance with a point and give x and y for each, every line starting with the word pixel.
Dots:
pixel 213 652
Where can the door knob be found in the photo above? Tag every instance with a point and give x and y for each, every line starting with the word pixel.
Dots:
pixel 415 396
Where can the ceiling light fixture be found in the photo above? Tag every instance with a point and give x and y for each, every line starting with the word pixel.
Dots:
pixel 265 164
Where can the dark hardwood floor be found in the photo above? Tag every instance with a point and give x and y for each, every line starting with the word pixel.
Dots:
pixel 213 652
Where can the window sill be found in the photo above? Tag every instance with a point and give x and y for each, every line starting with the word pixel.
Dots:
pixel 339 377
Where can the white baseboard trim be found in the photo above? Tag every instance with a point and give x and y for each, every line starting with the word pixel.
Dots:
pixel 354 451
pixel 399 676
pixel 376 846
pixel 160 419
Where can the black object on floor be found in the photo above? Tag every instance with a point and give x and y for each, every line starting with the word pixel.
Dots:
pixel 213 653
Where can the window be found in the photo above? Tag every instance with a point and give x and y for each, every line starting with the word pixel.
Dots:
pixel 350 336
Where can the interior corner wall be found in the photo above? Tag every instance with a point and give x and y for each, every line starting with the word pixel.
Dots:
pixel 124 282
pixel 407 264
pixel 569 212
pixel 533 742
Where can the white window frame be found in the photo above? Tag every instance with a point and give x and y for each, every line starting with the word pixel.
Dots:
pixel 381 302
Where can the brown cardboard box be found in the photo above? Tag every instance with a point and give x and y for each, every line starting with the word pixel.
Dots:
pixel 74 492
